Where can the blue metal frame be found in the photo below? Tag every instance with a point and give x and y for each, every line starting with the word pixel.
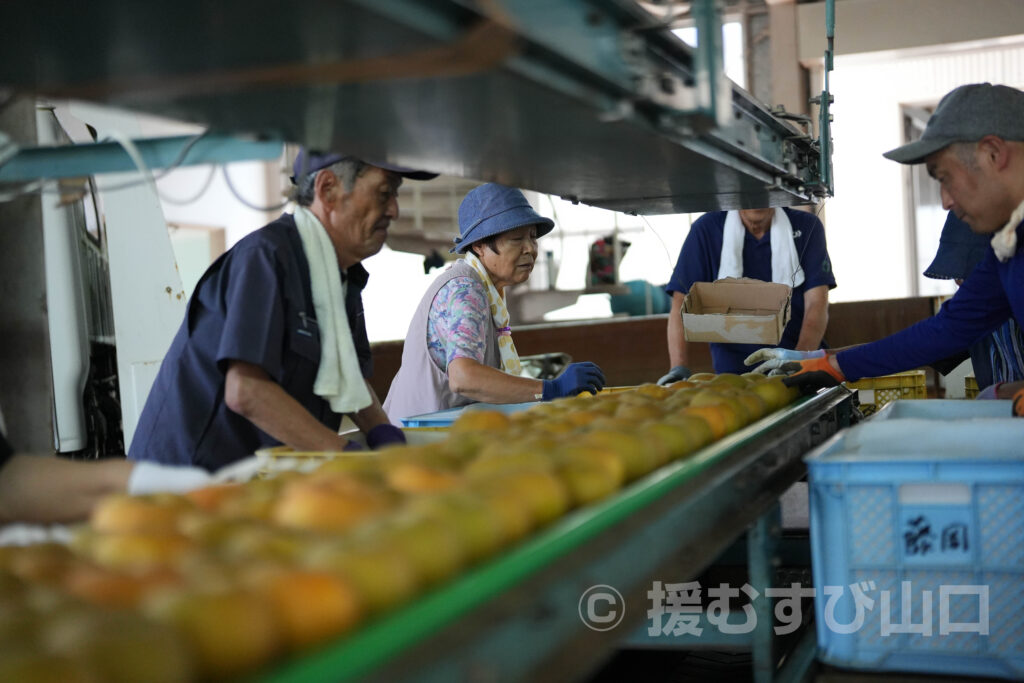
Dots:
pixel 72 161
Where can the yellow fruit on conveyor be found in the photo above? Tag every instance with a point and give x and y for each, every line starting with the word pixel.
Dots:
pixel 774 393
pixel 434 549
pixel 310 606
pixel 117 588
pixel 124 513
pixel 382 574
pixel 231 633
pixel 540 492
pixel 478 525
pixel 38 666
pixel 697 428
pixel 481 421
pixel 637 456
pixel 330 502
pixel 588 479
pixel 675 440
pixel 247 572
pixel 120 647
pixel 730 379
pixel 639 412
pixel 141 551
pixel 410 477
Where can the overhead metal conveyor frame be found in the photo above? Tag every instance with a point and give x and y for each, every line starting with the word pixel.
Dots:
pixel 517 616
pixel 591 100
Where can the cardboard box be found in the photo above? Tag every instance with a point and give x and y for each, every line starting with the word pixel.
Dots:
pixel 736 311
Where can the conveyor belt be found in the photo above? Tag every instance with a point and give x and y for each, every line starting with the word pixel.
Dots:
pixel 591 100
pixel 516 617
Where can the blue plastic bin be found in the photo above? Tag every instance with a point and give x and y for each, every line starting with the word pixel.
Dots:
pixel 943 409
pixel 928 511
pixel 444 418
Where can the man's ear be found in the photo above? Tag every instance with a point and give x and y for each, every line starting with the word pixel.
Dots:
pixel 995 151
pixel 326 186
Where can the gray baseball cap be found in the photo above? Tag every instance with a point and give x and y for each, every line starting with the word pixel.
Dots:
pixel 966 114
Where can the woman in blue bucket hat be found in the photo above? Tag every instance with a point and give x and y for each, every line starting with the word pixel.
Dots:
pixel 459 347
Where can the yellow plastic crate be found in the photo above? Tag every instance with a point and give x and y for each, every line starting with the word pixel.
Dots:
pixel 970 386
pixel 875 392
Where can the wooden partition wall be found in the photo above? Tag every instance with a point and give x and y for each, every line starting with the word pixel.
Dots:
pixel 633 350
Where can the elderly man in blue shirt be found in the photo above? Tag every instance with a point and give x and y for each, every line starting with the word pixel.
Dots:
pixel 273 348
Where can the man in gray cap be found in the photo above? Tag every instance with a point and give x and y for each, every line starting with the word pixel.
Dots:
pixel 973 146
pixel 273 348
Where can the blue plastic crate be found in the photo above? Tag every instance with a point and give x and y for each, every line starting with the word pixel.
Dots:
pixel 925 512
pixel 444 418
pixel 943 409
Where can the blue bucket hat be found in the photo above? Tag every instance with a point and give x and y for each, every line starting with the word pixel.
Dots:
pixel 311 161
pixel 492 209
pixel 960 250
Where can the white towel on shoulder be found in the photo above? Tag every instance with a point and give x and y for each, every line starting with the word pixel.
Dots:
pixel 1004 242
pixel 785 261
pixel 339 379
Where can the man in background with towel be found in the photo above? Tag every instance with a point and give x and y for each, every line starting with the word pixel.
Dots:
pixel 273 348
pixel 774 245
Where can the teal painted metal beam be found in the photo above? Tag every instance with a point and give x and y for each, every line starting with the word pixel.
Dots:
pixel 72 161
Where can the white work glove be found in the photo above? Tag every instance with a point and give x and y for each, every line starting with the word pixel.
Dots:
pixel 773 359
pixel 152 477
pixel 238 471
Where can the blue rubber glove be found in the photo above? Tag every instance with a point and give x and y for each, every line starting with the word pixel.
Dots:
pixel 988 393
pixel 774 359
pixel 384 435
pixel 679 372
pixel 575 378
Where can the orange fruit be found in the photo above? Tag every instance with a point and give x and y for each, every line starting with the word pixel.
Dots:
pixel 481 421
pixel 698 429
pixel 124 513
pixel 311 606
pixel 717 417
pixel 112 588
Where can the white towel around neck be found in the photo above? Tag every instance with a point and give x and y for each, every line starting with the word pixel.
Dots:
pixel 339 379
pixel 1004 242
pixel 785 261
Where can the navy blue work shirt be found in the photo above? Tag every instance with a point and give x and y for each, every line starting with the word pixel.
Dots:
pixel 253 304
pixel 5 451
pixel 701 255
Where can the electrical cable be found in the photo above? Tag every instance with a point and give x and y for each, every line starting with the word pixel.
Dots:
pixel 664 247
pixel 243 200
pixel 195 197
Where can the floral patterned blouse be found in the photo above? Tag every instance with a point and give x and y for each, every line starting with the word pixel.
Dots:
pixel 458 322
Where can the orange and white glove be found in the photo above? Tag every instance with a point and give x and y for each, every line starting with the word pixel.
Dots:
pixel 812 374
pixel 1018 404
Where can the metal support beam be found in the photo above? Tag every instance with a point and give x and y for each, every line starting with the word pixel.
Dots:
pixel 72 161
pixel 762 541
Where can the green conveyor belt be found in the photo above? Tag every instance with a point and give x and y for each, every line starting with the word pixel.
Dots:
pixel 379 641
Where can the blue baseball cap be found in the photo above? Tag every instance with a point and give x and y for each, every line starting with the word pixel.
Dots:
pixel 960 250
pixel 311 161
pixel 492 209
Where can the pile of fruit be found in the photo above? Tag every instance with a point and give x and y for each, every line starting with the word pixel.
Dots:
pixel 221 581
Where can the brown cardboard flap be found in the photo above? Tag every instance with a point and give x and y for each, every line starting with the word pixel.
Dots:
pixel 736 310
